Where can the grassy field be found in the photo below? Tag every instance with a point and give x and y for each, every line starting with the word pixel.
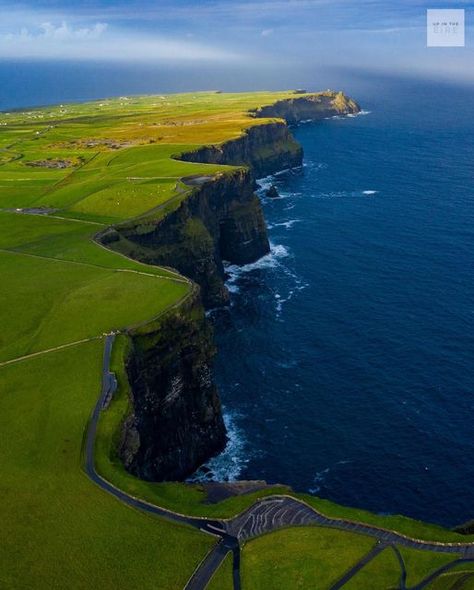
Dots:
pixel 58 529
pixel 112 160
pixel 66 173
pixel 300 558
pixel 317 557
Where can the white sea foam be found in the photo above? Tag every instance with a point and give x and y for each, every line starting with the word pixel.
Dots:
pixel 230 463
pixel 286 224
pixel 350 115
pixel 315 165
pixel 318 480
pixel 264 184
pixel 270 260
pixel 321 476
pixel 344 194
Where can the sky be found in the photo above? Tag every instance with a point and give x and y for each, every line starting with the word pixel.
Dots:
pixel 245 37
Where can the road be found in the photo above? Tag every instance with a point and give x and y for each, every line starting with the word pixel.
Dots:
pixel 266 515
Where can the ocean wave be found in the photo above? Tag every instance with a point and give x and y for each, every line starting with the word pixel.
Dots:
pixel 344 194
pixel 264 184
pixel 315 165
pixel 271 260
pixel 286 224
pixel 298 285
pixel 361 113
pixel 321 476
pixel 318 480
pixel 230 463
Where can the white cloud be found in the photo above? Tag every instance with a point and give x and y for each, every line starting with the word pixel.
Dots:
pixel 266 32
pixel 99 41
pixel 62 32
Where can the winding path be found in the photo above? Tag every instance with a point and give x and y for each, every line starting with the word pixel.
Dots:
pixel 266 515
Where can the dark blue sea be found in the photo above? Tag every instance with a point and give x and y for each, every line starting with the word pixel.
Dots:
pixel 346 361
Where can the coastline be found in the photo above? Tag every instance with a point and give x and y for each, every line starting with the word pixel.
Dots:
pixel 224 214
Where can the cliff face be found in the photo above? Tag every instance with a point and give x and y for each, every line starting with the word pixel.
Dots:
pixel 221 220
pixel 265 149
pixel 176 423
pixel 314 107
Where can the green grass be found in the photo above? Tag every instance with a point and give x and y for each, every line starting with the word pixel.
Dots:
pixel 300 558
pixel 460 577
pixel 402 524
pixel 64 302
pixel 384 568
pixel 316 557
pixel 222 579
pixel 58 529
pixel 420 564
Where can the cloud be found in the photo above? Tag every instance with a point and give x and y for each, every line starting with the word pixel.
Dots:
pixel 99 41
pixel 266 32
pixel 62 32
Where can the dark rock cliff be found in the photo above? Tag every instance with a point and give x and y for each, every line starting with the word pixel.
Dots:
pixel 265 148
pixel 176 423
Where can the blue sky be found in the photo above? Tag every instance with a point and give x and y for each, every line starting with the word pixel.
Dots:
pixel 373 35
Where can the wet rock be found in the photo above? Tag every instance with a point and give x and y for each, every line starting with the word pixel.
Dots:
pixel 272 192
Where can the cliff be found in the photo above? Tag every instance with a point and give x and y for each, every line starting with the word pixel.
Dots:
pixel 312 107
pixel 176 422
pixel 265 148
pixel 220 220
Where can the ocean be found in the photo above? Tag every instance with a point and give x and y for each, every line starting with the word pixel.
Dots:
pixel 346 360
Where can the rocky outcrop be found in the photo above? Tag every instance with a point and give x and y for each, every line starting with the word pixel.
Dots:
pixel 272 192
pixel 313 107
pixel 465 529
pixel 176 421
